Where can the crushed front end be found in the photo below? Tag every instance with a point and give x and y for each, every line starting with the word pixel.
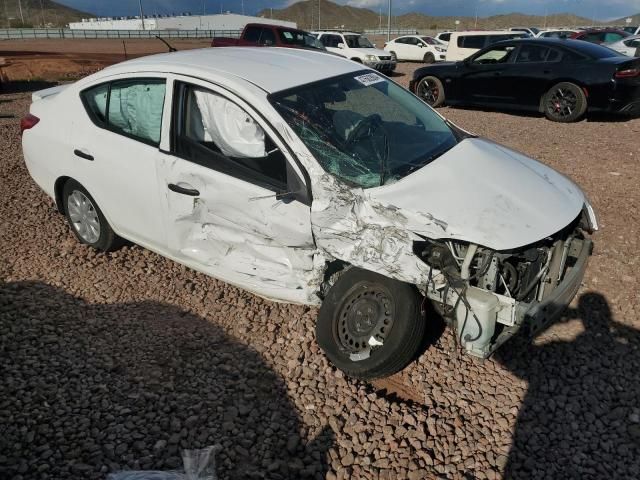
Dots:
pixel 489 295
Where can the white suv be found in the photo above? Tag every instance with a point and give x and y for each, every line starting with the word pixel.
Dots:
pixel 358 48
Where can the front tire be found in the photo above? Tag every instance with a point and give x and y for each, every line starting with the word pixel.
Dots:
pixel 86 219
pixel 565 102
pixel 431 90
pixel 370 326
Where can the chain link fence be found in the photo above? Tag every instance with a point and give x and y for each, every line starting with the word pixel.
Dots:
pixel 40 33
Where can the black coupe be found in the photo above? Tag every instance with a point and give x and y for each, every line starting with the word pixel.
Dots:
pixel 561 78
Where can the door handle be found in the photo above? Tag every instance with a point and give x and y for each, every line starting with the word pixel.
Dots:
pixel 81 154
pixel 188 190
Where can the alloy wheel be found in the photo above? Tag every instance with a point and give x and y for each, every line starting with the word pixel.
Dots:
pixel 84 217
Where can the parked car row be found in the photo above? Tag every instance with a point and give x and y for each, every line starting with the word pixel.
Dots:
pixel 561 78
pixel 304 177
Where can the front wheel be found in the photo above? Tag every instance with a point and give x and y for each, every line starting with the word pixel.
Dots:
pixel 429 58
pixel 85 218
pixel 565 102
pixel 431 90
pixel 370 326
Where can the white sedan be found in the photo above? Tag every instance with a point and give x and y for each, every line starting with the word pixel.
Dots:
pixel 416 48
pixel 308 178
pixel 628 46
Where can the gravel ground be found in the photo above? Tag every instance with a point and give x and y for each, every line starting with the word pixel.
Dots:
pixel 111 361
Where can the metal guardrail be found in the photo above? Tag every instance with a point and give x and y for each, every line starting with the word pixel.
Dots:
pixel 40 33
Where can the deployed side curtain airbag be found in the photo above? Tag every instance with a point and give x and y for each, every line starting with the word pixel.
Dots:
pixel 234 132
pixel 137 109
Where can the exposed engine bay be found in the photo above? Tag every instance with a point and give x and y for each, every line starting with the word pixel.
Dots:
pixel 488 295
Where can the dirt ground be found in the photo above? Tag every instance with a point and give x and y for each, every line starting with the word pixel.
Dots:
pixel 111 361
pixel 70 59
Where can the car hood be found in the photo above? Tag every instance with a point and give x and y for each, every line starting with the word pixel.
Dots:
pixel 483 193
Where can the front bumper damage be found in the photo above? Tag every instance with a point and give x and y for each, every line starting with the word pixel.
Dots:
pixel 484 320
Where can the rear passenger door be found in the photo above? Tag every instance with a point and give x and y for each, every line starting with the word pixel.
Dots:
pixel 534 68
pixel 117 150
pixel 236 203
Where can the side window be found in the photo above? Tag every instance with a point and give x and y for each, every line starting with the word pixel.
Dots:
pixel 129 107
pixel 217 133
pixel 252 34
pixel 268 37
pixel 472 41
pixel 445 37
pixel 135 108
pixel 532 54
pixel 95 100
pixel 594 37
pixel 401 40
pixel 612 37
pixel 495 55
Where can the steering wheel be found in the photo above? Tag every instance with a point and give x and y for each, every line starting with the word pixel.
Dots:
pixel 359 130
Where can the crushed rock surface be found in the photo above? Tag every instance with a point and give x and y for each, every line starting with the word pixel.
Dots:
pixel 118 361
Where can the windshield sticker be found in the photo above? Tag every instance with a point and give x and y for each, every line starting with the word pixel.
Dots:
pixel 287 35
pixel 369 79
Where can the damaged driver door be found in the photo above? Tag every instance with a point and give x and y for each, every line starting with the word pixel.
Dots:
pixel 236 203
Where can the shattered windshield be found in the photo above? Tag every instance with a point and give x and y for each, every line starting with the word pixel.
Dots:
pixel 357 41
pixel 364 129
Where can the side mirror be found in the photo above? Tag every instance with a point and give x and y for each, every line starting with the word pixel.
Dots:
pixel 374 45
pixel 341 45
pixel 421 45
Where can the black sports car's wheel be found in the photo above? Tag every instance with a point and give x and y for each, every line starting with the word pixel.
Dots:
pixel 565 102
pixel 430 89
pixel 85 218
pixel 429 58
pixel 369 325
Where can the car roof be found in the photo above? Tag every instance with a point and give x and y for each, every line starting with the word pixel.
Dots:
pixel 338 32
pixel 485 32
pixel 270 68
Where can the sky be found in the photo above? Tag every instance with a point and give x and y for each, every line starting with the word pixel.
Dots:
pixel 599 9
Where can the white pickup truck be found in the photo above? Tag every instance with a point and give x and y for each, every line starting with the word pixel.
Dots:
pixel 358 48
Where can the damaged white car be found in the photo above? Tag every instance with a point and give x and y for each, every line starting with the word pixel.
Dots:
pixel 306 178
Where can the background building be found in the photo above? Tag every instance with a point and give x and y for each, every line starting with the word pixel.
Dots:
pixel 227 21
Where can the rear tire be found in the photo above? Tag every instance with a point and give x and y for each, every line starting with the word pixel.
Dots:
pixel 370 326
pixel 431 90
pixel 429 58
pixel 564 102
pixel 85 218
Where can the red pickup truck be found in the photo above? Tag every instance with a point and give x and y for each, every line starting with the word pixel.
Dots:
pixel 265 35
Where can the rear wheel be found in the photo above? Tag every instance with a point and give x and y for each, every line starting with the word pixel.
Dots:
pixel 369 325
pixel 85 218
pixel 429 58
pixel 565 102
pixel 431 90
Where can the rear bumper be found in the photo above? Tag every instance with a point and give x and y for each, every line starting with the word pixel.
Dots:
pixel 541 314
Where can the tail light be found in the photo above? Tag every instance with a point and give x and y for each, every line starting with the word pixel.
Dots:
pixel 28 122
pixel 628 73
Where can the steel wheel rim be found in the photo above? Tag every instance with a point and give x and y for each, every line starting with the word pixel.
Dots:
pixel 364 320
pixel 563 102
pixel 83 216
pixel 429 91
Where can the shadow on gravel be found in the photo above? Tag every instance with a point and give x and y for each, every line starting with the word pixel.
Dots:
pixel 581 414
pixel 25 86
pixel 93 388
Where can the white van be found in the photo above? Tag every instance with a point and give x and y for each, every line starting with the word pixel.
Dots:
pixel 464 44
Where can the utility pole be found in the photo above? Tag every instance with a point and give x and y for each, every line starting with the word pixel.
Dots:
pixel 203 8
pixel 42 13
pixel 319 14
pixel 476 24
pixel 141 14
pixel 389 22
pixel 21 16
pixel 242 6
